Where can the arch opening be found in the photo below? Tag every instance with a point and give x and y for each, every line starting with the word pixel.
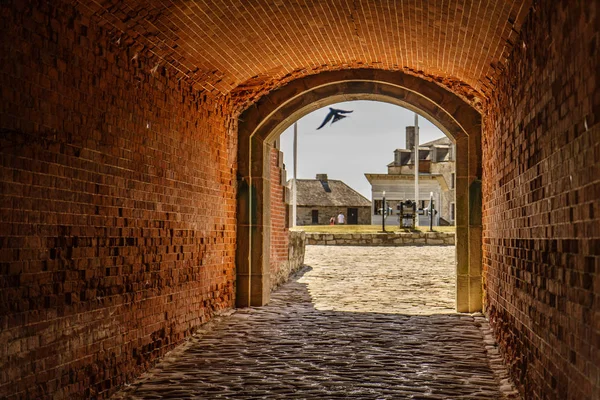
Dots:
pixel 261 124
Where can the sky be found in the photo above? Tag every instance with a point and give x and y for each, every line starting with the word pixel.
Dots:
pixel 364 142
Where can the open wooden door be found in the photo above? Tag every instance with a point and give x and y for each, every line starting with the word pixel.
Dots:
pixel 352 216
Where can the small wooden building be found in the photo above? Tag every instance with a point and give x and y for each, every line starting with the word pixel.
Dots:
pixel 320 199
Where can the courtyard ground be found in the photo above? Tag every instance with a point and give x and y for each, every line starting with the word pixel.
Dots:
pixel 416 280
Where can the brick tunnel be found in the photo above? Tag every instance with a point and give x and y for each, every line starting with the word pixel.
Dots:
pixel 137 198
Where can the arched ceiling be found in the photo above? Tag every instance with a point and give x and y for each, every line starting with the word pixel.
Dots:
pixel 247 47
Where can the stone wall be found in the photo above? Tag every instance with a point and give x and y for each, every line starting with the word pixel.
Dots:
pixel 304 215
pixel 117 205
pixel 447 169
pixel 294 261
pixel 381 239
pixel 541 211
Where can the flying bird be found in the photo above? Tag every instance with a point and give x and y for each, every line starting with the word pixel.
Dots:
pixel 335 114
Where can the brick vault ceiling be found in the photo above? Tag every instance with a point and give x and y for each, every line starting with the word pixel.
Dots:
pixel 247 47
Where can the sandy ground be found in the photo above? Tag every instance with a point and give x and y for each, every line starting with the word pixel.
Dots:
pixel 414 280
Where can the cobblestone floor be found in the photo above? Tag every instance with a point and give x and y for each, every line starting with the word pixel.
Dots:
pixel 349 326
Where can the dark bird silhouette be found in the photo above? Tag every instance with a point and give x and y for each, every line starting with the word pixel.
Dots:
pixel 335 114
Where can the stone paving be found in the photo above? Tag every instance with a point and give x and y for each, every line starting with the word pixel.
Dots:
pixel 338 330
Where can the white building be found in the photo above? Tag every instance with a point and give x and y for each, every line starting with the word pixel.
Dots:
pixel 436 175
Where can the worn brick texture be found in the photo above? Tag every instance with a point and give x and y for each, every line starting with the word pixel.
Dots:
pixel 248 48
pixel 118 169
pixel 541 209
pixel 279 232
pixel 117 205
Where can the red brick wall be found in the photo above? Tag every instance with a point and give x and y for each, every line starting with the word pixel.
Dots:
pixel 117 205
pixel 279 230
pixel 541 208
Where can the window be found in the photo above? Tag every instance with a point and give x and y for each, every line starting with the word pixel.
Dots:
pixel 452 180
pixel 287 217
pixel 392 206
pixel 377 207
pixel 451 211
pixel 315 216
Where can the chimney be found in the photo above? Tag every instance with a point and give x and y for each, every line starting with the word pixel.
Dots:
pixel 322 177
pixel 410 138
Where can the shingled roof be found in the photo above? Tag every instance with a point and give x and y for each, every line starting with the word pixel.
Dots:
pixel 444 141
pixel 325 193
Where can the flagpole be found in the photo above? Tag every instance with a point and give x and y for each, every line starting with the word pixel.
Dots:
pixel 294 189
pixel 417 162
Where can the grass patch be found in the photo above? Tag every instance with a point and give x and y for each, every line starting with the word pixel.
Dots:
pixel 366 228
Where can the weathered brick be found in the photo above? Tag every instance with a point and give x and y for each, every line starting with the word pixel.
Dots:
pixel 278 215
pixel 118 170
pixel 541 188
pixel 112 217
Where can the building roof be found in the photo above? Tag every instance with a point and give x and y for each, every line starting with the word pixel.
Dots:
pixel 426 152
pixel 400 177
pixel 325 193
pixel 445 140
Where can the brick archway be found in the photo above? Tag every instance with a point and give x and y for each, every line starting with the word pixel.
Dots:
pixel 272 114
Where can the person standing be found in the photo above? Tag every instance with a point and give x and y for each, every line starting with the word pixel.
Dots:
pixel 341 219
